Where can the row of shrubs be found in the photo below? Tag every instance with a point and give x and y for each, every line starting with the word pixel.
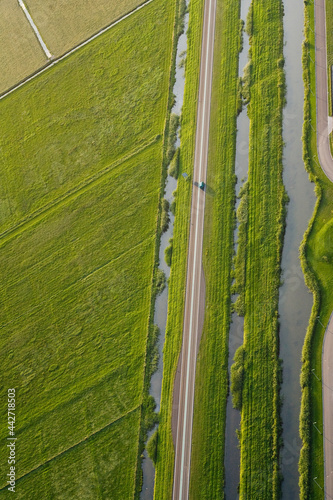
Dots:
pixel 239 271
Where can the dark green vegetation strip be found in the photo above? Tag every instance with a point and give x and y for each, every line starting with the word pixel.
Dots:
pixel 260 422
pixel 238 286
pixel 317 259
pixel 329 21
pixel 207 471
pixel 165 450
pixel 76 285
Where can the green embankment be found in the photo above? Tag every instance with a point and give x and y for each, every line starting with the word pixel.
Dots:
pixel 316 259
pixel 165 451
pixel 260 421
pixel 211 389
pixel 329 41
pixel 81 157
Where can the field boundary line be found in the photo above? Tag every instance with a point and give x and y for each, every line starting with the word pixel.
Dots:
pixel 35 29
pixel 74 445
pixel 88 183
pixel 55 61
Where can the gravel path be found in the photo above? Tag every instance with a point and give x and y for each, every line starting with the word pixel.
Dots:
pixel 34 27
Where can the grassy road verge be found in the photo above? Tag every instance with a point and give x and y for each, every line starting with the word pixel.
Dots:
pixel 173 338
pixel 260 422
pixel 211 388
pixel 329 44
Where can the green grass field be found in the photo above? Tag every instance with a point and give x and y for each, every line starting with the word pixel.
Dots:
pixel 260 424
pixel 207 461
pixel 65 23
pixel 20 52
pixel 96 468
pixel 316 257
pixel 81 116
pixel 81 151
pixel 172 346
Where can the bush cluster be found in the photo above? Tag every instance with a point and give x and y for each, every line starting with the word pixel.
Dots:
pixel 172 137
pixel 240 258
pixel 174 165
pixel 237 376
pixel 165 219
pixel 168 252
pixel 152 447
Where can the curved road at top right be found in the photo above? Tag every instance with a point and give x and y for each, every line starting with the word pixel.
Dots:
pixel 326 161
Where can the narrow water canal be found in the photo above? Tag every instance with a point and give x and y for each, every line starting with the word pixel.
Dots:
pixel 232 452
pixel 161 303
pixel 295 299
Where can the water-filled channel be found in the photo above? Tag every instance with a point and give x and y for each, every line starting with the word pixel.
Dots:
pixel 232 452
pixel 295 300
pixel 161 303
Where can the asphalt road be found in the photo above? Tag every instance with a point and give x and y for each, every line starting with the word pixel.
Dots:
pixel 326 163
pixel 194 285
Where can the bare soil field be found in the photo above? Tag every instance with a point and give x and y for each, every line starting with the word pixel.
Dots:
pixel 62 25
pixel 65 23
pixel 20 52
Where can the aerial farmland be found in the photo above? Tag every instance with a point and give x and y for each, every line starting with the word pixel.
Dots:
pixel 166 249
pixel 82 153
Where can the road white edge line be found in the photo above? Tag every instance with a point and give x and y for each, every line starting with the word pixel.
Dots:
pixel 195 267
